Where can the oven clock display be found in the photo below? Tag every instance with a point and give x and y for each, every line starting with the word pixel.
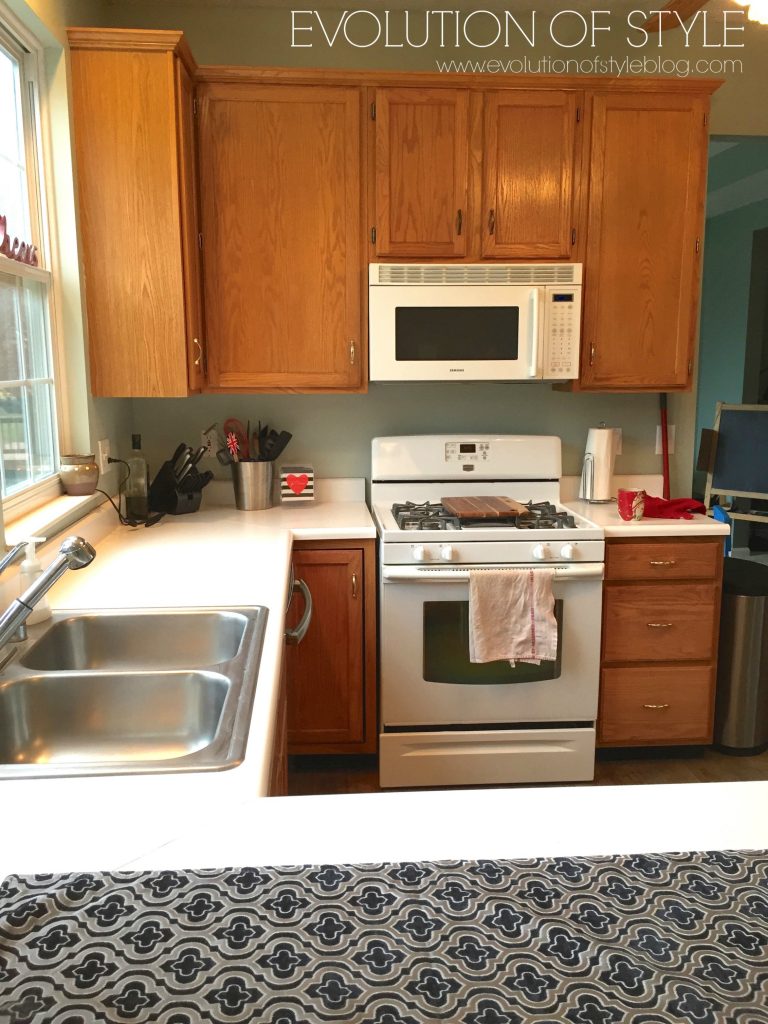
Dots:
pixel 466 451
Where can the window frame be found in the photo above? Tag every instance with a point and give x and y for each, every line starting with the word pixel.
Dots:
pixel 28 50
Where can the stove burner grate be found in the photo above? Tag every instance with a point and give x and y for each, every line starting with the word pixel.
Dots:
pixel 427 515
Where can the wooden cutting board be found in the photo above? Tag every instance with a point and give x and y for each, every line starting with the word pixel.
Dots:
pixel 490 507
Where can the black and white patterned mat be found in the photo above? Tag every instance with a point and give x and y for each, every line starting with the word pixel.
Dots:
pixel 602 940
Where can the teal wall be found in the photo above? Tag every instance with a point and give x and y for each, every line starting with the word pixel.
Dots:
pixel 738 174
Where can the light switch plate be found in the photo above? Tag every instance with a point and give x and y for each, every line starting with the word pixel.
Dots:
pixel 670 440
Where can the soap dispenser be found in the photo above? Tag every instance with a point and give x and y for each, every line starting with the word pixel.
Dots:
pixel 29 570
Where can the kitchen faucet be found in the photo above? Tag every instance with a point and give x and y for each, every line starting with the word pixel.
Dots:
pixel 74 553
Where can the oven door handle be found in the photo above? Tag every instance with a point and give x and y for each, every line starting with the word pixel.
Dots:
pixel 419 574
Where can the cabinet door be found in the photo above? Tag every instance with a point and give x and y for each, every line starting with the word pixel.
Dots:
pixel 642 265
pixel 280 180
pixel 325 671
pixel 529 172
pixel 125 131
pixel 422 149
pixel 190 249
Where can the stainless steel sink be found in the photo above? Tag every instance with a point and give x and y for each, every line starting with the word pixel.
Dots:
pixel 123 692
pixel 120 641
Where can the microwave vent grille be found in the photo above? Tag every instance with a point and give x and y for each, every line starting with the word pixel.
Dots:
pixel 472 273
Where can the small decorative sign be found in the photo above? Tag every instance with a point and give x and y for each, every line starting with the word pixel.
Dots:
pixel 297 484
pixel 22 252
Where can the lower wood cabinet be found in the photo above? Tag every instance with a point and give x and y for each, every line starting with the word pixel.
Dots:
pixel 661 616
pixel 331 674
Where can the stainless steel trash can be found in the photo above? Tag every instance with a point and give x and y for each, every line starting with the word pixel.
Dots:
pixel 741 716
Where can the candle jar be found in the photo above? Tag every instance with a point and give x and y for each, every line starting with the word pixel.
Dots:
pixel 79 473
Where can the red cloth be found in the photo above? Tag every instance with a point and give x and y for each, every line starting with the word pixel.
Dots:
pixel 677 508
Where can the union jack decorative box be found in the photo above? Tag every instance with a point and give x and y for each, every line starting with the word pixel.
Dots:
pixel 297 485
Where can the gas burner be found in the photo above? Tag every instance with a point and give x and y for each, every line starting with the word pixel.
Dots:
pixel 544 516
pixel 424 516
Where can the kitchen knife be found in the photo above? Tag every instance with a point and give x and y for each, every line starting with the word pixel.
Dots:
pixel 199 454
pixel 178 453
pixel 181 462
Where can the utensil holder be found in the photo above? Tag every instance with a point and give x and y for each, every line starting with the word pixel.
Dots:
pixel 253 485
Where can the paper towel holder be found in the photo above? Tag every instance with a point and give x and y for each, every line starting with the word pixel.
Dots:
pixel 596 477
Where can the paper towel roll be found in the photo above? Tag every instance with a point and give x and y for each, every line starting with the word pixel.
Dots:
pixel 599 456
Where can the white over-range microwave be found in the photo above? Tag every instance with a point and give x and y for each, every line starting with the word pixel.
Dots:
pixel 471 321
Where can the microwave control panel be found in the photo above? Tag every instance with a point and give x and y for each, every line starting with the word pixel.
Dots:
pixel 562 319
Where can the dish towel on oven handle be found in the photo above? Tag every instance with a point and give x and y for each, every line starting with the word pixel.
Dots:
pixel 512 615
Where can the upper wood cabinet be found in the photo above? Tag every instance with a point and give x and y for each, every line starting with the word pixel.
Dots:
pixel 491 174
pixel 135 167
pixel 280 182
pixel 529 173
pixel 422 147
pixel 642 264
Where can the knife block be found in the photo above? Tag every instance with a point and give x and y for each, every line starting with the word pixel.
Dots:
pixel 166 497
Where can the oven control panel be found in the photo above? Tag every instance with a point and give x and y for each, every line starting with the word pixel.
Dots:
pixel 466 452
pixel 436 553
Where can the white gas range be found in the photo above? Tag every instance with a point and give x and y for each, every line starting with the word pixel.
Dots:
pixel 444 719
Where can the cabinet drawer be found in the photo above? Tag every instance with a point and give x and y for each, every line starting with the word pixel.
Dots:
pixel 663 560
pixel 656 622
pixel 656 704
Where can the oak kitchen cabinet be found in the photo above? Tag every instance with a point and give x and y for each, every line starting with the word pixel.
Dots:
pixel 491 174
pixel 642 264
pixel 661 615
pixel 281 195
pixel 132 111
pixel 331 674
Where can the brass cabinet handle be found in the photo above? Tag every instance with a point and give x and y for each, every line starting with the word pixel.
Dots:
pixel 656 707
pixel 591 355
pixel 663 563
pixel 354 585
pixel 352 353
pixel 199 359
pixel 491 221
pixel 459 220
pixel 659 625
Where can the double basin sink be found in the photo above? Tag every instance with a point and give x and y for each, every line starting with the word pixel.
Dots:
pixel 124 692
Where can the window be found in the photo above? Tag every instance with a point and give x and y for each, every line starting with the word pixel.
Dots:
pixel 28 423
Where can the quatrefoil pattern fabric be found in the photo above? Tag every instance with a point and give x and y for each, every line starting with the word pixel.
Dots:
pixel 648 939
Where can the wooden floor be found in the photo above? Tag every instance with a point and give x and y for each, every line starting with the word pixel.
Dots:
pixel 311 776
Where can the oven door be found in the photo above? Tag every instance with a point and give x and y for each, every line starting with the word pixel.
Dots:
pixel 466 332
pixel 428 680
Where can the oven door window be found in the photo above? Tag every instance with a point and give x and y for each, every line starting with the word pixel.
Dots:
pixel 446 650
pixel 456 333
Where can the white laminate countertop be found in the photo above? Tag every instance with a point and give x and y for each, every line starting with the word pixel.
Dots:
pixel 607 517
pixel 218 556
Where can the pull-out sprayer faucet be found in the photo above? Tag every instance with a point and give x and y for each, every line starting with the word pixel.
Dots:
pixel 74 553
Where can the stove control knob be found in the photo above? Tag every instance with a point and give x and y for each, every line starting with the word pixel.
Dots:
pixel 447 553
pixel 418 552
pixel 568 551
pixel 540 551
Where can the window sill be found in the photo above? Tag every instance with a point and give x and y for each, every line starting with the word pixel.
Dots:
pixel 53 517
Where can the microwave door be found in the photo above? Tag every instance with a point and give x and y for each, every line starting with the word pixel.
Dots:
pixel 432 332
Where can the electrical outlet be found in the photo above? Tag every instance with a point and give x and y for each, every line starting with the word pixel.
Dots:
pixel 670 440
pixel 208 439
pixel 617 440
pixel 103 453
